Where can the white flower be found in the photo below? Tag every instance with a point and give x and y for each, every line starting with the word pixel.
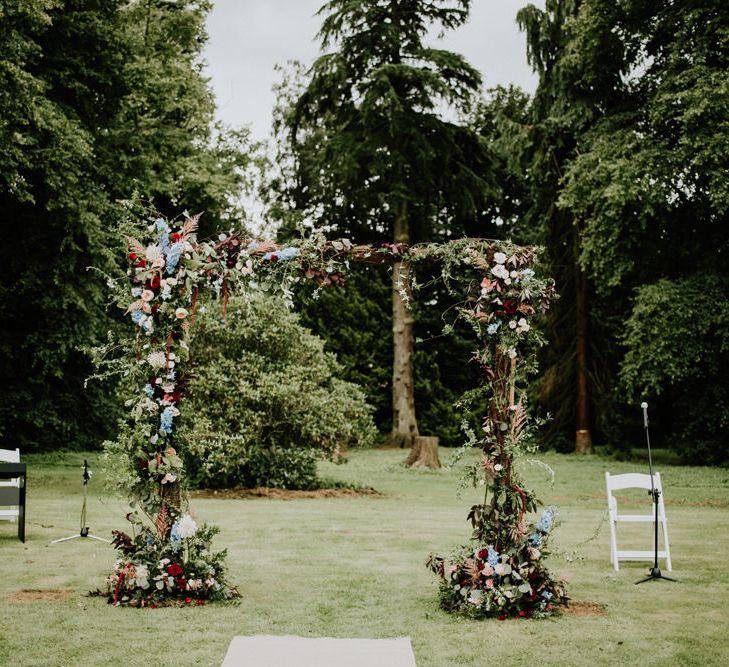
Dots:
pixel 171 281
pixel 169 478
pixel 523 325
pixel 157 359
pixel 158 263
pixel 194 584
pixel 136 291
pixel 247 270
pixel 512 353
pixel 499 257
pixel 513 274
pixel 186 526
pixel 475 597
pixel 500 271
pixel 498 467
pixel 141 576
pixel 181 313
pixel 153 252
pixel 512 324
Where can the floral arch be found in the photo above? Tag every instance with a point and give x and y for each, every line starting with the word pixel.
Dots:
pixel 168 559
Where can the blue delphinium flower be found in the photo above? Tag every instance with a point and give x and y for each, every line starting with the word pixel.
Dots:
pixel 173 256
pixel 161 225
pixel 175 537
pixel 149 540
pixel 165 421
pixel 492 328
pixel 546 595
pixel 545 521
pixel 493 557
pixel 149 390
pixel 138 317
pixel 286 253
pixel 535 539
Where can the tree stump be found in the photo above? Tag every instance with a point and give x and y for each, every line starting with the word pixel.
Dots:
pixel 424 453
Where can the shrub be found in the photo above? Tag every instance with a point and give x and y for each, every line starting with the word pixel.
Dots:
pixel 265 399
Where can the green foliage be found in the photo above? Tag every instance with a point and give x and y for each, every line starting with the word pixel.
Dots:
pixel 686 367
pixel 98 99
pixel 355 323
pixel 367 135
pixel 649 186
pixel 267 381
pixel 220 461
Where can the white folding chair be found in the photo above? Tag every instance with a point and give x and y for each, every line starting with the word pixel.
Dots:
pixel 9 513
pixel 635 481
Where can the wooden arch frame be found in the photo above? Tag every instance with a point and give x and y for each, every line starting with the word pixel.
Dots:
pixel 169 271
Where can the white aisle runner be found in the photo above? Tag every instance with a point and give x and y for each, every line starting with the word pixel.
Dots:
pixel 270 651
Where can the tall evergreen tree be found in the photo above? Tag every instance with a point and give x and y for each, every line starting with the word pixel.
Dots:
pixel 374 157
pixel 570 97
pixel 98 99
pixel 649 185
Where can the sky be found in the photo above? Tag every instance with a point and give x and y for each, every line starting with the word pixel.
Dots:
pixel 248 38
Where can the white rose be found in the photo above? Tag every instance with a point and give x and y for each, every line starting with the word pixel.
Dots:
pixel 181 313
pixel 186 526
pixel 153 252
pixel 499 257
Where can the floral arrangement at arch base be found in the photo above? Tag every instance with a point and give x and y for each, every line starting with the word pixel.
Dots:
pixel 501 572
pixel 175 570
pixel 480 582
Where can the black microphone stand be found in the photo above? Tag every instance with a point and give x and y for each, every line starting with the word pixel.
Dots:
pixel 655 572
pixel 84 532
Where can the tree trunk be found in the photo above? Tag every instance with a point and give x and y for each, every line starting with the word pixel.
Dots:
pixel 404 423
pixel 424 453
pixel 583 439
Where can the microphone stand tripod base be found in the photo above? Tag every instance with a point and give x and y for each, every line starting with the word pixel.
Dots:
pixel 84 533
pixel 655 573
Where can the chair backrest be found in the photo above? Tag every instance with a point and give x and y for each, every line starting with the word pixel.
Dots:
pixel 632 480
pixel 10 455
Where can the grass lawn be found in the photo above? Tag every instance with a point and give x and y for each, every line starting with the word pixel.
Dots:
pixel 353 567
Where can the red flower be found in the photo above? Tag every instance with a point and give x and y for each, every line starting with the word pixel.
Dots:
pixel 500 313
pixel 175 237
pixel 510 306
pixel 501 617
pixel 188 600
pixel 132 257
pixel 154 282
pixel 174 570
pixel 182 583
pixel 521 613
pixel 199 601
pixel 483 554
pixel 274 258
pixel 142 264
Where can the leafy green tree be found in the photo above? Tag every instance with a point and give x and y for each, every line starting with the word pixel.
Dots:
pixel 577 78
pixel 649 185
pixel 98 99
pixel 375 159
pixel 265 380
